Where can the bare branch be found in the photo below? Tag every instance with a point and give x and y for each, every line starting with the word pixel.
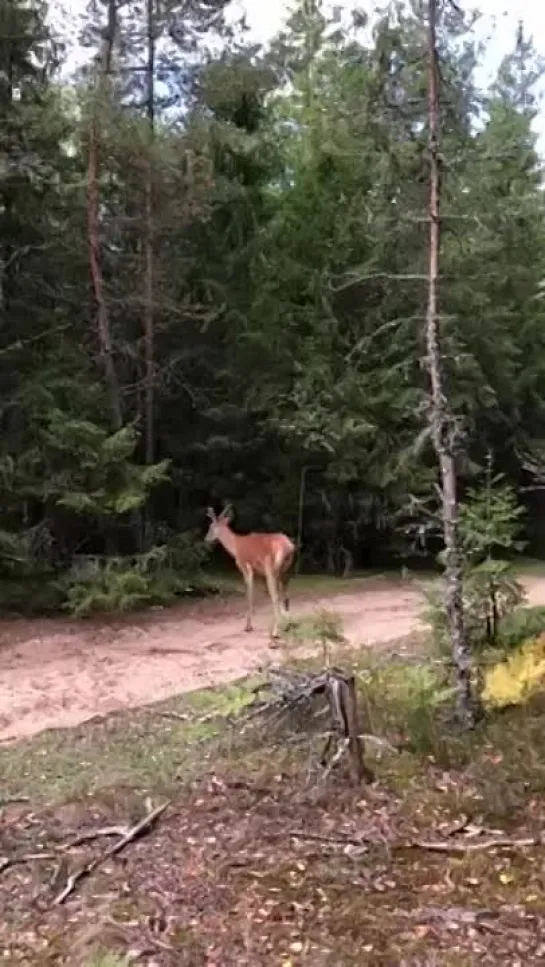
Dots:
pixel 89 835
pixel 476 845
pixel 7 862
pixel 143 826
pixel 356 279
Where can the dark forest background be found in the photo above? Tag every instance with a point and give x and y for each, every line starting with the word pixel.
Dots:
pixel 213 288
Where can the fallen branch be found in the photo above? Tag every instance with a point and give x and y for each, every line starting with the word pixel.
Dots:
pixel 369 739
pixel 143 826
pixel 193 720
pixel 89 835
pixel 461 915
pixel 178 716
pixel 330 839
pixel 438 846
pixel 11 800
pixel 474 845
pixel 7 862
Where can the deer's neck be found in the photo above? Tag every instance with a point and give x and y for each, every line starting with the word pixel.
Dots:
pixel 228 540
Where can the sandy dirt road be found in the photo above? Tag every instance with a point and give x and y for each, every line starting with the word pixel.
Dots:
pixel 59 673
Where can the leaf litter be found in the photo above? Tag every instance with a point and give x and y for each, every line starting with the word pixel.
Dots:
pixel 253 868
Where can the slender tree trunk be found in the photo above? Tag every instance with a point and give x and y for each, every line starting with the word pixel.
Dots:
pixel 6 199
pixel 300 516
pixel 442 424
pixel 149 254
pixel 93 220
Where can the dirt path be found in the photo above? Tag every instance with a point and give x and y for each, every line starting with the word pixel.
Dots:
pixel 58 673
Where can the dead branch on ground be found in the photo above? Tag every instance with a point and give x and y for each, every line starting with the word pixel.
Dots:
pixel 88 835
pixel 7 862
pixel 452 845
pixel 476 845
pixel 132 834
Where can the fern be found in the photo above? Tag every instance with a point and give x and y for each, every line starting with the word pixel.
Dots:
pixel 515 680
pixel 96 585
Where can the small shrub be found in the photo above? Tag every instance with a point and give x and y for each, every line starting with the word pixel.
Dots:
pixel 517 678
pixel 489 522
pixel 520 625
pixel 113 584
pixel 491 592
pixel 185 552
pixel 490 518
pixel 33 595
pixel 408 700
pixel 28 572
pixel 323 628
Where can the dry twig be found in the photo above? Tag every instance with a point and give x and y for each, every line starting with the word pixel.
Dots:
pixel 87 836
pixel 475 845
pixel 178 716
pixel 6 862
pixel 143 826
pixel 466 845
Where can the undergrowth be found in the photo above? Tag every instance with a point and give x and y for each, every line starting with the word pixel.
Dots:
pixel 520 625
pixel 225 880
pixel 96 584
pixel 274 863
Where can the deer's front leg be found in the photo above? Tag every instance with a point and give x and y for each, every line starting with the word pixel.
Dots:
pixel 249 582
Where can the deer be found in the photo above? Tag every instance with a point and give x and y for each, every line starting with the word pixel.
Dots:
pixel 269 556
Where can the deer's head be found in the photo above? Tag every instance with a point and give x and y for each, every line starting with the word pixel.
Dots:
pixel 217 523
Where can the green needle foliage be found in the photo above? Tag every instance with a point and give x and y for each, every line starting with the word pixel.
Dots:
pixel 281 200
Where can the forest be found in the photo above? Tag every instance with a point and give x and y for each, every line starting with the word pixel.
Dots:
pixel 305 279
pixel 213 287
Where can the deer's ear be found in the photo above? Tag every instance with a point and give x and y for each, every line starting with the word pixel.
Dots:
pixel 227 512
pixel 210 513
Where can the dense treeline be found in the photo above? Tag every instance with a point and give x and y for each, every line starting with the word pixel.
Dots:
pixel 212 285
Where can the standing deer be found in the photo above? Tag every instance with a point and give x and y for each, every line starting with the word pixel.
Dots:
pixel 266 555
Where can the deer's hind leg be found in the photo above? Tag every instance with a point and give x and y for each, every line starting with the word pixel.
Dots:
pixel 283 582
pixel 272 587
pixel 248 576
pixel 283 585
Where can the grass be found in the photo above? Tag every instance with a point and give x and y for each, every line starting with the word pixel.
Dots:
pixel 229 582
pixel 530 566
pixel 254 865
pixel 143 749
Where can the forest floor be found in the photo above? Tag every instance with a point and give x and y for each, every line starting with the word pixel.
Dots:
pixel 256 861
pixel 57 673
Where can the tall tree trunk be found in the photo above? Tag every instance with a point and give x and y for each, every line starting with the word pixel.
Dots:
pixel 442 423
pixel 93 219
pixel 149 254
pixel 6 198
